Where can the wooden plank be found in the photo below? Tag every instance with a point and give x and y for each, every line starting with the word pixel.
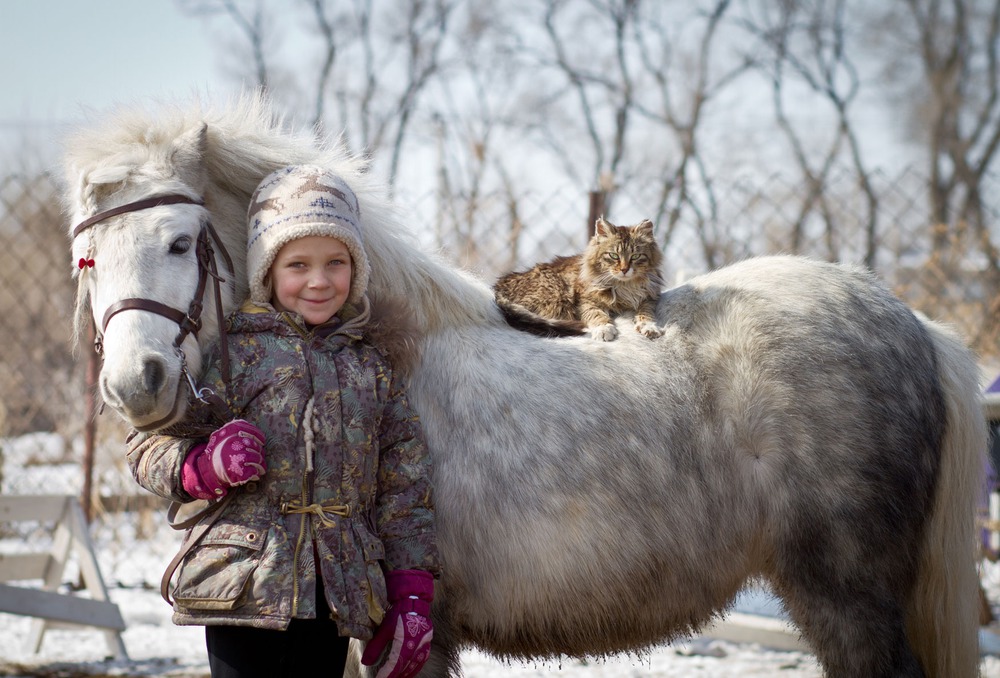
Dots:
pixel 48 608
pixel 60 608
pixel 738 627
pixel 125 503
pixel 41 507
pixel 23 566
pixel 62 542
pixel 87 560
pixel 991 406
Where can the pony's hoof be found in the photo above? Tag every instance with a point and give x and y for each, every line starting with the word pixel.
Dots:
pixel 606 332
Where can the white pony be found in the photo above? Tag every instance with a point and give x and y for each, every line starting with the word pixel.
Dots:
pixel 796 423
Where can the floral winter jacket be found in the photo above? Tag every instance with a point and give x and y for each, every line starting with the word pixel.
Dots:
pixel 347 494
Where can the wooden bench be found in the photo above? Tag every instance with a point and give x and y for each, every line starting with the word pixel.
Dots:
pixel 71 540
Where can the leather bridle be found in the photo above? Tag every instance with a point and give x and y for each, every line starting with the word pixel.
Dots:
pixel 188 322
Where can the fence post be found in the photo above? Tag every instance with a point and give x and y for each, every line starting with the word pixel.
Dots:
pixel 597 202
pixel 90 423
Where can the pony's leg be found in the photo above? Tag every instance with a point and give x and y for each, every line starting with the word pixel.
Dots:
pixel 444 661
pixel 441 664
pixel 853 620
pixel 860 637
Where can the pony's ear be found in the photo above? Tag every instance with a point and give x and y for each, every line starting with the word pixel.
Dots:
pixel 187 155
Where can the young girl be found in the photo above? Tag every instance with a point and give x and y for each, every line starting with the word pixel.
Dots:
pixel 329 533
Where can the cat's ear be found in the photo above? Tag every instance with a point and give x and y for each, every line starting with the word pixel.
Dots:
pixel 645 227
pixel 602 227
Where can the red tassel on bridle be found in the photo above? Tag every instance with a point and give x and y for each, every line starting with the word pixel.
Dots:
pixel 85 263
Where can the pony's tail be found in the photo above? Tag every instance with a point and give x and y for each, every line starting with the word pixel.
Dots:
pixel 520 318
pixel 943 615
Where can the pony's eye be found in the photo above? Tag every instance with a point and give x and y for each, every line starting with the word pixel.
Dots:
pixel 181 245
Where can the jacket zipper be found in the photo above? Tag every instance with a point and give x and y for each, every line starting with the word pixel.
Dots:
pixel 298 550
pixel 305 497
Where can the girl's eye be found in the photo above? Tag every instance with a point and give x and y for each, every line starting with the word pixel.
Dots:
pixel 181 245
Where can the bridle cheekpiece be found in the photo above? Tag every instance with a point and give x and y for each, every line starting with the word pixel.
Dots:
pixel 188 322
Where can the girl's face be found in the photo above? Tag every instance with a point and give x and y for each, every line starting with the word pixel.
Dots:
pixel 312 276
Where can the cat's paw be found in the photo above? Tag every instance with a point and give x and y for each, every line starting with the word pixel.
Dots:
pixel 648 329
pixel 606 332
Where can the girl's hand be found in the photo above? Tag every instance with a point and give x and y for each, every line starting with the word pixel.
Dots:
pixel 407 628
pixel 233 455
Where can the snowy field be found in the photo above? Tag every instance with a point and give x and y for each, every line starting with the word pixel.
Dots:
pixel 131 567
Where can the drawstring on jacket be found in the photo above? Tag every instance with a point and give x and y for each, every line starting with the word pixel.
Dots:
pixel 328 509
pixel 308 434
pixel 324 511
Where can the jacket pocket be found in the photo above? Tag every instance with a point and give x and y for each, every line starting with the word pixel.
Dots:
pixel 374 582
pixel 214 576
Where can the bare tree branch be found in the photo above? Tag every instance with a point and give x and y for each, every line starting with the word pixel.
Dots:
pixel 329 58
pixel 808 42
pixel 424 43
pixel 684 119
pixel 253 29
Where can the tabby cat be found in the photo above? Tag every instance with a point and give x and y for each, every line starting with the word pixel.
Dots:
pixel 619 271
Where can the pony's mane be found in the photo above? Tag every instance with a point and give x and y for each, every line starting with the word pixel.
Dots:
pixel 245 138
pixel 244 142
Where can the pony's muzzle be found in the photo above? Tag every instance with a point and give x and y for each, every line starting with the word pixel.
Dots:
pixel 143 393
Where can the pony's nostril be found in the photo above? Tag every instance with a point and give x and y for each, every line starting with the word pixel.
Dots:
pixel 153 375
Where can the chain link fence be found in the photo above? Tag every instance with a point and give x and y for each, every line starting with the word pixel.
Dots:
pixel 41 380
pixel 885 227
pixel 44 406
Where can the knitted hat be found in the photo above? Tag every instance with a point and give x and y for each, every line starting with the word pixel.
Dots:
pixel 299 201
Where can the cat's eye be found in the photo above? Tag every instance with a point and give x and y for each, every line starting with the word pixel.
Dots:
pixel 613 256
pixel 639 258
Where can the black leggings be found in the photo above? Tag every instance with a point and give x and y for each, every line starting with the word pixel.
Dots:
pixel 308 647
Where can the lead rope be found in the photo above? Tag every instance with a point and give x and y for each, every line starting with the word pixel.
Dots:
pixel 217 289
pixel 197 522
pixel 199 526
pixel 190 323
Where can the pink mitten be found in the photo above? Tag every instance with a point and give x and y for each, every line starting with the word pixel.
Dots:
pixel 234 455
pixel 407 625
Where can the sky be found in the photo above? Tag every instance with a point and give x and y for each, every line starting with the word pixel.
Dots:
pixel 61 58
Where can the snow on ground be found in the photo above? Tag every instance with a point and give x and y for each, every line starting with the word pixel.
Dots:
pixel 131 568
pixel 132 552
pixel 157 648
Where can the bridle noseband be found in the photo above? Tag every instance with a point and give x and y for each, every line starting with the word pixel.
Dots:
pixel 188 322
